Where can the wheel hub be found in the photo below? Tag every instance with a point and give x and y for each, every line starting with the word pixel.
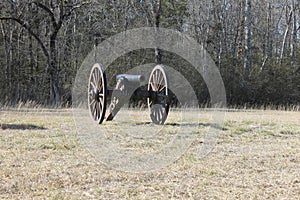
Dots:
pixel 97 96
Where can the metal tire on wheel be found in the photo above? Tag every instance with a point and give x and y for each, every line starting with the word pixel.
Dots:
pixel 97 93
pixel 158 102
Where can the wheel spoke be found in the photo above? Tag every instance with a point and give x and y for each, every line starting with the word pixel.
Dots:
pixel 97 111
pixel 101 101
pixel 98 75
pixel 159 80
pixel 155 76
pixel 92 84
pixel 150 103
pixel 161 89
pixel 156 80
pixel 158 76
pixel 99 82
pixel 92 102
pixel 160 83
pixel 152 86
pixel 94 78
pixel 100 108
pixel 101 97
pixel 100 85
pixel 91 94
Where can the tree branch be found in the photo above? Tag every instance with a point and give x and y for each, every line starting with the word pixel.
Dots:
pixel 75 7
pixel 48 10
pixel 28 28
pixel 44 7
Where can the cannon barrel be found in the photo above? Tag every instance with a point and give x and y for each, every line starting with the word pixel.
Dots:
pixel 132 78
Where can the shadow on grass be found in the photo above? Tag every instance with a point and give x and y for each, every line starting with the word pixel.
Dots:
pixel 213 125
pixel 21 127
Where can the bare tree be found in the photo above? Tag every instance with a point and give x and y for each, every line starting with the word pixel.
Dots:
pixel 57 11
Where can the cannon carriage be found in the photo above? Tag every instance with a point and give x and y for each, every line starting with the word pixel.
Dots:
pixel 127 86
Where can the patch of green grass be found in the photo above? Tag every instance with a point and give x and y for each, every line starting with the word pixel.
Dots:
pixel 131 193
pixel 240 130
pixel 9 120
pixel 190 158
pixel 263 132
pixel 288 132
pixel 212 172
pixel 197 132
pixel 230 123
pixel 268 124
pixel 248 122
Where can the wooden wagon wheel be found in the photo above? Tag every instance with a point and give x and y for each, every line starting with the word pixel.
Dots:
pixel 97 93
pixel 158 102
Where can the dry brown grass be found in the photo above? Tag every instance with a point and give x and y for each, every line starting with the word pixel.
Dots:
pixel 257 157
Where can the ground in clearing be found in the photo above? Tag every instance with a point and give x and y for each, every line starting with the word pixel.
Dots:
pixel 257 156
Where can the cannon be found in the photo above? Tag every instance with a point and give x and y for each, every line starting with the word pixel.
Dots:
pixel 127 86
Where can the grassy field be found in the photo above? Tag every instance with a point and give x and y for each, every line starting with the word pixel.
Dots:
pixel 257 156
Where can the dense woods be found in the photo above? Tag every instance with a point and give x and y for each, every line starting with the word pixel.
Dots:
pixel 255 44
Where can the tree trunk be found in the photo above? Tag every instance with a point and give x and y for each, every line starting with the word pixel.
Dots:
pixel 6 53
pixel 53 72
pixel 285 35
pixel 247 57
pixel 156 11
pixel 237 36
pixel 293 37
pixel 269 49
pixel 269 36
pixel 218 29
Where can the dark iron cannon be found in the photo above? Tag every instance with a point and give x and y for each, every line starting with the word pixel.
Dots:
pixel 157 94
